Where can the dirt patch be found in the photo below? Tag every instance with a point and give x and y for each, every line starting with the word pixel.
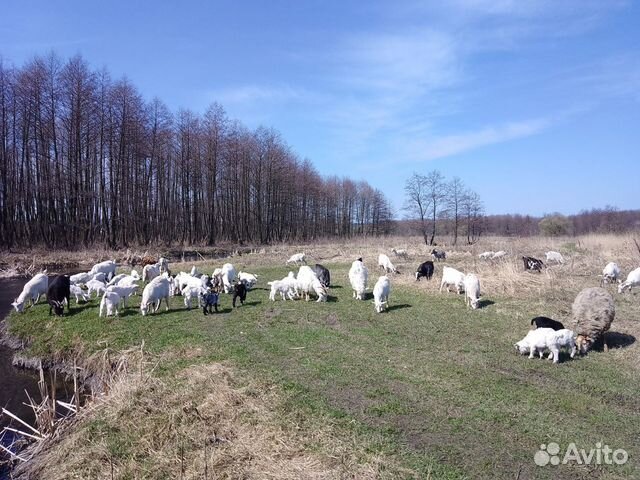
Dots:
pixel 332 320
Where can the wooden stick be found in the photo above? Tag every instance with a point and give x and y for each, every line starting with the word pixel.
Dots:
pixel 13 454
pixel 23 433
pixel 7 412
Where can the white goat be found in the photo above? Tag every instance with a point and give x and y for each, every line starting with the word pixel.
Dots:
pixel 498 254
pixel 297 258
pixel 248 279
pixel 385 263
pixel 472 290
pixel 610 273
pixel 149 272
pixel 163 264
pixel 228 277
pixel 95 286
pixel 192 293
pixel 633 280
pixel 31 291
pixel 358 276
pixel 81 278
pixel 486 255
pixel 400 252
pixel 452 277
pixel 108 267
pixel 554 257
pixel 124 292
pixel 109 304
pixel 281 287
pixel 536 341
pixel 123 278
pixel 100 276
pixel 78 293
pixel 308 281
pixel 381 291
pixel 155 291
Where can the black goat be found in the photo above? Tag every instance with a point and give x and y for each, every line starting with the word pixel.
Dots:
pixel 323 275
pixel 59 290
pixel 239 291
pixel 546 322
pixel 425 270
pixel 533 264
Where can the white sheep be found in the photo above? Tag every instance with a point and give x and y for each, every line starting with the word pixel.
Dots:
pixel 472 290
pixel 297 258
pixel 452 277
pixel 381 291
pixel 228 277
pixel 308 281
pixel 248 279
pixel 155 291
pixel 149 272
pixel 109 304
pixel 108 267
pixel 486 255
pixel 95 286
pixel 358 276
pixel 124 292
pixel 400 252
pixel 385 263
pixel 633 280
pixel 610 273
pixel 78 293
pixel 554 257
pixel 31 291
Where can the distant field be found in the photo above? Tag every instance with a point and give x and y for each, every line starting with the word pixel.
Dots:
pixel 429 388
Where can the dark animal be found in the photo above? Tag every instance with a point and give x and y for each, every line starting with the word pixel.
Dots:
pixel 59 291
pixel 545 322
pixel 323 275
pixel 239 291
pixel 532 264
pixel 438 255
pixel 425 270
pixel 208 300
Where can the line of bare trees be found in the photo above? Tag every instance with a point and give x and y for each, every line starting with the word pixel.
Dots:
pixel 435 206
pixel 84 159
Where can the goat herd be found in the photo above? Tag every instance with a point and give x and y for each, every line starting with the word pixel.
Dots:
pixel 592 311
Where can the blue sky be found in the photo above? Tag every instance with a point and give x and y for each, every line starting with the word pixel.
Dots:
pixel 533 104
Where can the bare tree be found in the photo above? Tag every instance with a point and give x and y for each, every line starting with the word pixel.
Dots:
pixel 418 202
pixel 454 194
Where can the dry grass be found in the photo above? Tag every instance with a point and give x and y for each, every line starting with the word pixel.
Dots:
pixel 204 420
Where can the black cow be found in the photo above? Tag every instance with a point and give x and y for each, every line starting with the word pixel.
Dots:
pixel 438 254
pixel 546 322
pixel 532 264
pixel 323 275
pixel 425 270
pixel 239 291
pixel 59 290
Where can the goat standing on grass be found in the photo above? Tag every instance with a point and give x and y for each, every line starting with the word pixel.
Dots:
pixel 31 291
pixel 358 276
pixel 297 258
pixel 381 291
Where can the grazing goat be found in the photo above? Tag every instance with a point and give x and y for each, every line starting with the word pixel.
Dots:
pixel 31 291
pixel 308 281
pixel 385 264
pixel 381 291
pixel 532 264
pixel 536 341
pixel 546 322
pixel 108 267
pixel 633 280
pixel 610 273
pixel 109 304
pixel 59 290
pixel 323 275
pixel 554 257
pixel 425 269
pixel 239 291
pixel 438 254
pixel 400 252
pixel 297 258
pixel 358 276
pixel 472 290
pixel 77 292
pixel 452 278
pixel 153 294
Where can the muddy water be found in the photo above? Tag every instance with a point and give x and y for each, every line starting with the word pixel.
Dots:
pixel 15 381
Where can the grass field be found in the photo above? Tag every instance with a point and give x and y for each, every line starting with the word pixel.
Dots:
pixel 427 389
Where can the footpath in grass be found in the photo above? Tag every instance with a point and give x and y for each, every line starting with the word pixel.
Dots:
pixel 438 384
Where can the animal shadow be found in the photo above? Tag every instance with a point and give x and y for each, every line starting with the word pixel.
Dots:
pixel 251 304
pixel 486 303
pixel 617 340
pixel 400 306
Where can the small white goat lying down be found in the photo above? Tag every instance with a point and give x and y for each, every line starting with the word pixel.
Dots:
pixel 554 257
pixel 297 258
pixel 381 291
pixel 452 278
pixel 31 291
pixel 358 276
pixel 384 262
pixel 79 294
pixel 472 290
pixel 109 304
pixel 308 281
pixel 547 338
pixel 633 280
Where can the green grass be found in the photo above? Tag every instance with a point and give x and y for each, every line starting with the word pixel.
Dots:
pixel 430 381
